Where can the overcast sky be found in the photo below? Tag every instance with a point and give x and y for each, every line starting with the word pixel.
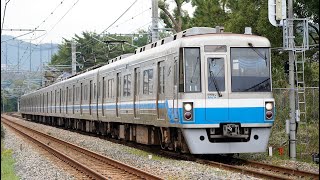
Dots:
pixel 86 15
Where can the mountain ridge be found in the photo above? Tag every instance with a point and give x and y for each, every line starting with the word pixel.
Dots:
pixel 12 48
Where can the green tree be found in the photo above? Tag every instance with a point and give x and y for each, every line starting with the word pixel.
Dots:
pixel 209 13
pixel 179 19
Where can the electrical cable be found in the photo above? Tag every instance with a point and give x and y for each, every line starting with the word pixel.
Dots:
pixel 4 14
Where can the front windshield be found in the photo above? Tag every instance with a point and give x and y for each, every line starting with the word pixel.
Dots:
pixel 250 70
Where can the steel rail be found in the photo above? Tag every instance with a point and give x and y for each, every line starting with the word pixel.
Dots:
pixel 104 159
pixel 89 172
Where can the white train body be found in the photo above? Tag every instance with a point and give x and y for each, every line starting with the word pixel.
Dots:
pixel 200 91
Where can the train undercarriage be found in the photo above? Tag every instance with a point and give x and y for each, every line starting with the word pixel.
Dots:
pixel 169 138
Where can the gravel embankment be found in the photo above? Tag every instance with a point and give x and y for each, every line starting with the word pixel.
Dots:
pixel 163 167
pixel 30 164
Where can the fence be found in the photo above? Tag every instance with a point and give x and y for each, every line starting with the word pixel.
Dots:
pixel 307 134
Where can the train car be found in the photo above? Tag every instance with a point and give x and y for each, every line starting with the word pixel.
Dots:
pixel 201 91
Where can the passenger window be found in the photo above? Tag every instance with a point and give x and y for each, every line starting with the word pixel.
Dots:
pixel 147 81
pixel 127 85
pixel 110 88
pixel 161 69
pixel 216 74
pixel 192 70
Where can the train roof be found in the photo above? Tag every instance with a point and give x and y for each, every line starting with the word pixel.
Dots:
pixel 191 36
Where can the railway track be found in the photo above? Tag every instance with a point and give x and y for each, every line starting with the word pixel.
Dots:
pixel 253 168
pixel 88 163
pixel 262 170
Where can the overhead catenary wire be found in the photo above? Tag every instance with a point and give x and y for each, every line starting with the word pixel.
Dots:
pixel 50 29
pixel 111 23
pixel 58 21
pixel 131 18
pixel 4 15
pixel 52 12
pixel 19 59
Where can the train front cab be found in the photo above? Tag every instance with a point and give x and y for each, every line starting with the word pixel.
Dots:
pixel 230 109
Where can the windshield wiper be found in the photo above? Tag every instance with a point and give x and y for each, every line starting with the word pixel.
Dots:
pixel 213 79
pixel 264 57
pixel 194 69
pixel 256 85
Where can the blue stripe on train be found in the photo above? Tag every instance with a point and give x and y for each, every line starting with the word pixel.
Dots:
pixel 201 115
pixel 225 115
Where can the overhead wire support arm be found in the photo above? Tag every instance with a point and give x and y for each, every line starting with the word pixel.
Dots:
pixel 23 30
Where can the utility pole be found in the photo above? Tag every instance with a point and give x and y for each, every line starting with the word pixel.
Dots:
pixel 74 58
pixel 154 29
pixel 30 54
pixel 50 52
pixel 18 56
pixel 6 56
pixel 292 134
pixel 41 70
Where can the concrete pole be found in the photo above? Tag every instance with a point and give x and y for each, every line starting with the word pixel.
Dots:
pixel 292 135
pixel 74 58
pixel 155 29
pixel 41 65
pixel 50 52
pixel 6 56
pixel 18 104
pixel 30 55
pixel 18 56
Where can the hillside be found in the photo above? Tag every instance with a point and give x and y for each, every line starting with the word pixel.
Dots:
pixel 11 49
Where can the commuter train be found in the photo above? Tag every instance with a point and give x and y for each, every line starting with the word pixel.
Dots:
pixel 200 91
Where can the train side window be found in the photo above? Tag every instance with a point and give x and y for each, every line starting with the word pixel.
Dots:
pixel 70 95
pixel 43 102
pixel 104 89
pixel 192 70
pixel 85 92
pixel 47 102
pixel 98 89
pixel 77 93
pixel 161 81
pixel 148 81
pixel 94 90
pixel 181 71
pixel 73 93
pixel 55 101
pixel 91 95
pixel 127 85
pixel 110 88
pixel 119 85
pixel 51 102
pixel 60 100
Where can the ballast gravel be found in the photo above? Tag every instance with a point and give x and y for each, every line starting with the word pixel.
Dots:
pixel 30 164
pixel 27 164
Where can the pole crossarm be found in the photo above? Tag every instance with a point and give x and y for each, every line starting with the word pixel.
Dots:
pixel 23 30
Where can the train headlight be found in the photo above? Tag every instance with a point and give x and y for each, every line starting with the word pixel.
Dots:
pixel 188 111
pixel 269 106
pixel 187 107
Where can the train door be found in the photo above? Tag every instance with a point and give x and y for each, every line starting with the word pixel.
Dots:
pixel 136 93
pixel 118 93
pixel 103 94
pixel 160 90
pixel 90 96
pixel 67 99
pixel 73 98
pixel 217 104
pixel 81 98
pixel 175 90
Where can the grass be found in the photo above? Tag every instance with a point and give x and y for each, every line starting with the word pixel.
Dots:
pixel 145 154
pixel 7 165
